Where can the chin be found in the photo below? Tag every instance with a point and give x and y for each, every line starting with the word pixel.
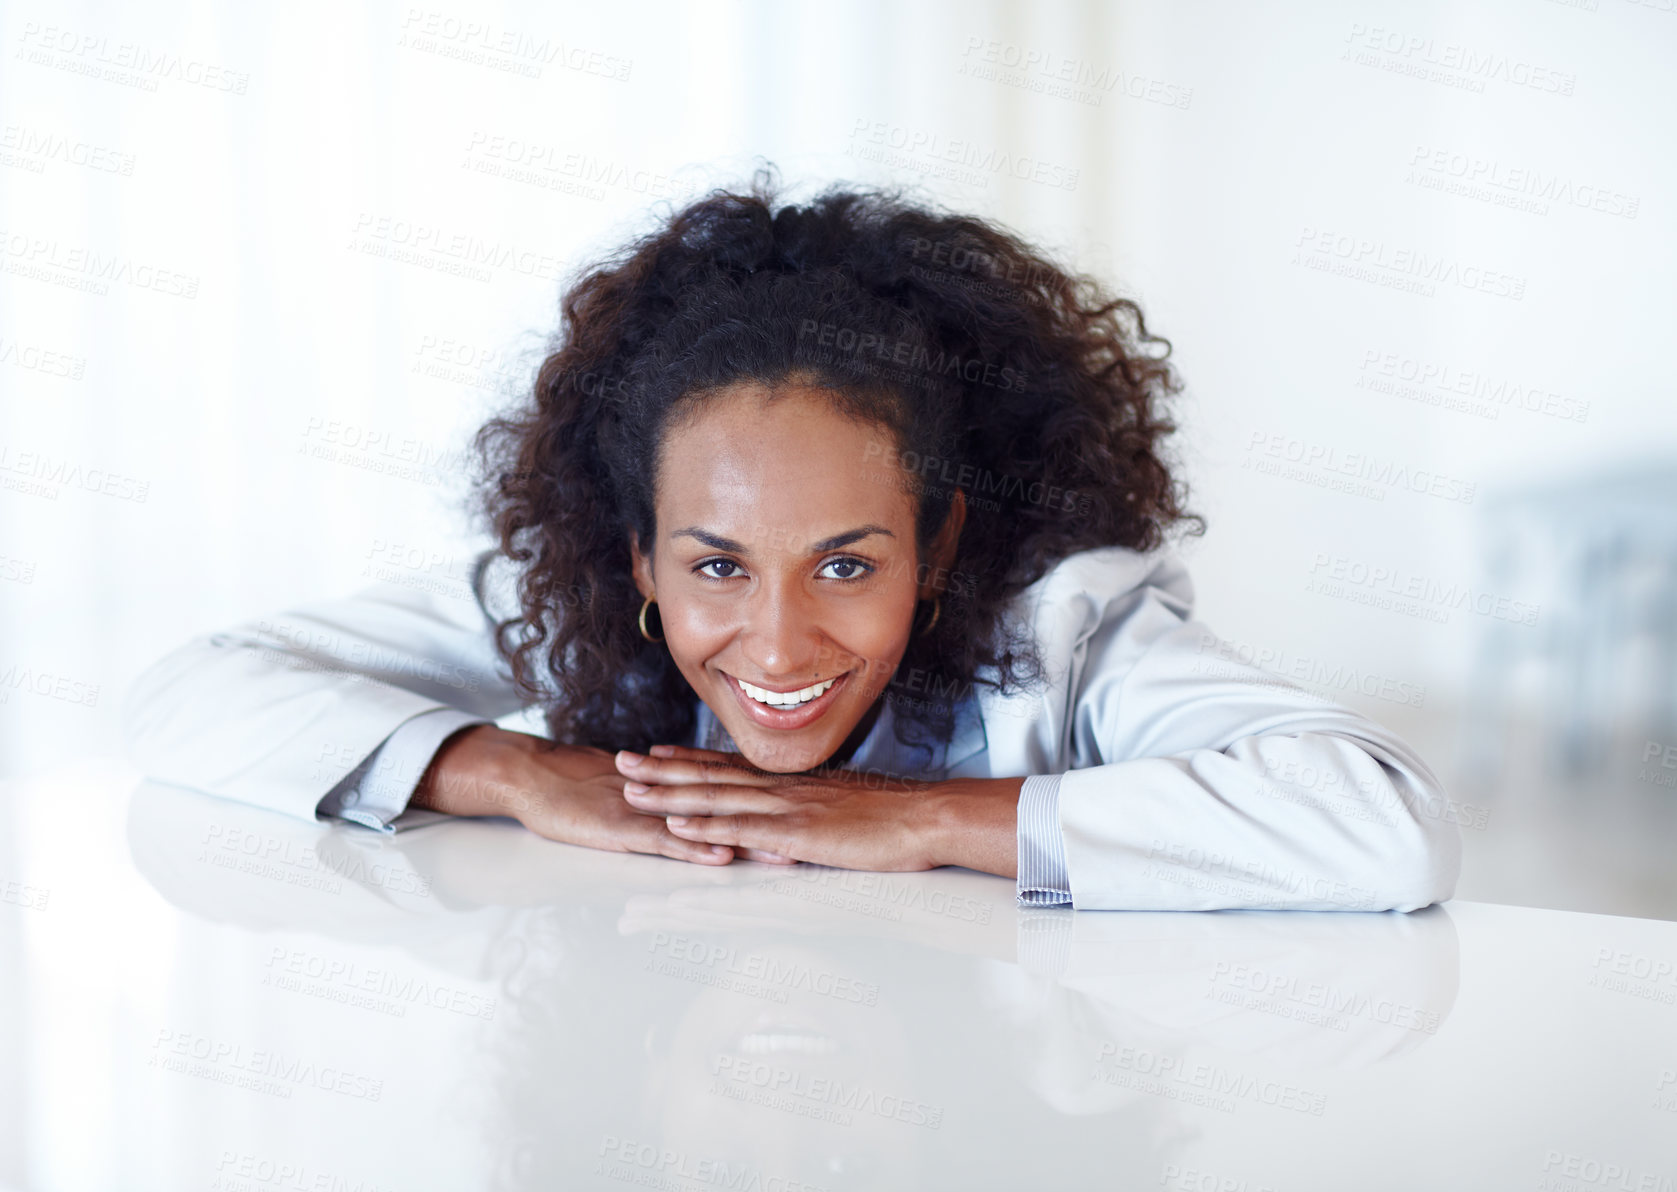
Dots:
pixel 776 758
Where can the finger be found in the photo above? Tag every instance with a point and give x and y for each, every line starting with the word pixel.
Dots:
pixel 688 753
pixel 673 771
pixel 701 800
pixel 768 832
pixel 678 849
pixel 675 847
pixel 759 854
pixel 658 839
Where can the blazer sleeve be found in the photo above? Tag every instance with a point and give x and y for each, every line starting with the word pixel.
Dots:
pixel 1202 782
pixel 277 711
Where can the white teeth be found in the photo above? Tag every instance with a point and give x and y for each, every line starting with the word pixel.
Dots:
pixel 784 699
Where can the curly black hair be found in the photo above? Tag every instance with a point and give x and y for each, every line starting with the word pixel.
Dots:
pixel 987 368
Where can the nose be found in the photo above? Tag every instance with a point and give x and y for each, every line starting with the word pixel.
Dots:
pixel 782 638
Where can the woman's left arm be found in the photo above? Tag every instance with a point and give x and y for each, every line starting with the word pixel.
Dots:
pixel 1202 781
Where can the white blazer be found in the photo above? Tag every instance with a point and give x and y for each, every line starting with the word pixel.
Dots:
pixel 1192 780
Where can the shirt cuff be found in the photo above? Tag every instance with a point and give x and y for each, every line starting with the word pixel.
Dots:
pixel 1042 849
pixel 376 793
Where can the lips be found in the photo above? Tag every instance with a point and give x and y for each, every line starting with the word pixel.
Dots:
pixel 798 708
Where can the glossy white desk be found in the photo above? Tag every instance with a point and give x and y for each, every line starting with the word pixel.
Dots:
pixel 199 996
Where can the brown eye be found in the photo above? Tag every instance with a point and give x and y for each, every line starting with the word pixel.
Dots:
pixel 845 568
pixel 730 569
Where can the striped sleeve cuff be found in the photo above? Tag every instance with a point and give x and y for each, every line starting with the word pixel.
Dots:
pixel 1042 849
pixel 376 795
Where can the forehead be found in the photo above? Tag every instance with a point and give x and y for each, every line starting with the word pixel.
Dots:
pixel 748 462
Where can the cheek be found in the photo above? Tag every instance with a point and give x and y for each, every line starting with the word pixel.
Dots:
pixel 692 633
pixel 878 638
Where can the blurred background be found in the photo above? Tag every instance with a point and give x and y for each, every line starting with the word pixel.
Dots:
pixel 264 268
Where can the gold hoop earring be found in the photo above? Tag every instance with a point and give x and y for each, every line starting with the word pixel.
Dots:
pixel 937 611
pixel 644 633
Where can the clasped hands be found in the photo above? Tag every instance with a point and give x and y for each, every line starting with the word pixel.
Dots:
pixel 832 817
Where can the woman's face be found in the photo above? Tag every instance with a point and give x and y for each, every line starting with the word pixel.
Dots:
pixel 785 569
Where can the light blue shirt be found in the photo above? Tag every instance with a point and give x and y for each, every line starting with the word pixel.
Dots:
pixel 376 793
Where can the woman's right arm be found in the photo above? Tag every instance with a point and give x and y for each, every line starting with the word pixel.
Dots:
pixel 277 712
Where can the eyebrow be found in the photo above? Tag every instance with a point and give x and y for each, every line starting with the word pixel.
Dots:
pixel 718 542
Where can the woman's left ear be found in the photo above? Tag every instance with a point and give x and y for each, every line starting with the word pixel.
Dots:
pixel 943 547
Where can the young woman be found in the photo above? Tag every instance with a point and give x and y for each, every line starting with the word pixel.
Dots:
pixel 839 533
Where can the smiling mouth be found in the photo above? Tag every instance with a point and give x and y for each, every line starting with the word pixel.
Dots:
pixel 787 710
pixel 784 699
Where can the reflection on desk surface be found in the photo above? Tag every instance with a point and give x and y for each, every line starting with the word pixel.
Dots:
pixel 469 1006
